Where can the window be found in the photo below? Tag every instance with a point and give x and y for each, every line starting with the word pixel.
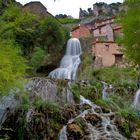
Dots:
pixel 107 47
pixel 100 31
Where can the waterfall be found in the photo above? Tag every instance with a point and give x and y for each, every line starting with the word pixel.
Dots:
pixel 70 61
pixel 105 129
pixel 104 91
pixel 63 135
pixel 102 128
pixel 136 103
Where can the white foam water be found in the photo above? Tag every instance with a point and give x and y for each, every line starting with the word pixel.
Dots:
pixel 70 61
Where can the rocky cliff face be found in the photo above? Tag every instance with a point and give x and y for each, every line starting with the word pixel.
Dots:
pixel 101 9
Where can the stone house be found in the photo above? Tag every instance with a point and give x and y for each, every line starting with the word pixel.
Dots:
pixel 80 31
pixel 106 50
pixel 103 33
pixel 104 46
pixel 101 22
pixel 37 8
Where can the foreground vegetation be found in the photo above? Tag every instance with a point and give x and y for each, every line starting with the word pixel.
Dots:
pixel 25 39
pixel 27 42
pixel 130 22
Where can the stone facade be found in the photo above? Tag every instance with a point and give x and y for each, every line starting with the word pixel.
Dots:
pixel 80 31
pixel 105 50
pixel 103 33
pixel 37 8
pixel 104 46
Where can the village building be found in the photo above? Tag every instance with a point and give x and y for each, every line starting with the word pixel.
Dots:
pixel 107 50
pixel 37 8
pixel 80 31
pixel 104 46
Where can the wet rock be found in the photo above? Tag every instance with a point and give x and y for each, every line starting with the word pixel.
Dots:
pixel 87 137
pixel 98 110
pixel 136 135
pixel 85 107
pixel 94 119
pixel 75 131
pixel 84 83
pixel 49 89
pixel 70 111
pixel 105 110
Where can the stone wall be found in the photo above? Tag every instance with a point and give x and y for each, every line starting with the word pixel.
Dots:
pixel 80 31
pixel 105 50
pixel 104 31
pixel 37 8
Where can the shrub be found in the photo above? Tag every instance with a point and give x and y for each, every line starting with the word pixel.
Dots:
pixel 12 66
pixel 76 92
pixel 37 58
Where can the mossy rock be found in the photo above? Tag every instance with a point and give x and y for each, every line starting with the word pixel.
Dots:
pixel 94 119
pixel 77 130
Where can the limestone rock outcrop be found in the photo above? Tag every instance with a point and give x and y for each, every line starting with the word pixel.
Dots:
pixel 102 8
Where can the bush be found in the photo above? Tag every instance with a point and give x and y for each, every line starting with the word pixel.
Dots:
pixel 12 66
pixel 41 104
pixel 37 58
pixel 76 92
pixel 68 20
pixel 126 129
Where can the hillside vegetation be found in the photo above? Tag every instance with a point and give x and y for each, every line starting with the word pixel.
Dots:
pixel 27 42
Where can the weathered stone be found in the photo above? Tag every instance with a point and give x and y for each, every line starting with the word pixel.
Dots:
pixel 94 119
pixel 49 89
pixel 85 107
pixel 75 131
pixel 136 135
pixel 37 8
pixel 105 110
pixel 98 110
pixel 102 8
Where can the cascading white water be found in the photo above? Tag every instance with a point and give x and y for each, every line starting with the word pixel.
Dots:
pixel 104 91
pixel 67 70
pixel 136 103
pixel 63 135
pixel 105 130
pixel 70 62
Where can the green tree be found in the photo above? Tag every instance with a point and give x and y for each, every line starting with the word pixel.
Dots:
pixel 20 25
pixel 131 30
pixel 12 65
pixel 29 30
pixel 37 58
pixel 52 35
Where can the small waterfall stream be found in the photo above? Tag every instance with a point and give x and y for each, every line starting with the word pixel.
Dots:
pixel 70 61
pixel 104 91
pixel 136 102
pixel 105 130
pixel 63 134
